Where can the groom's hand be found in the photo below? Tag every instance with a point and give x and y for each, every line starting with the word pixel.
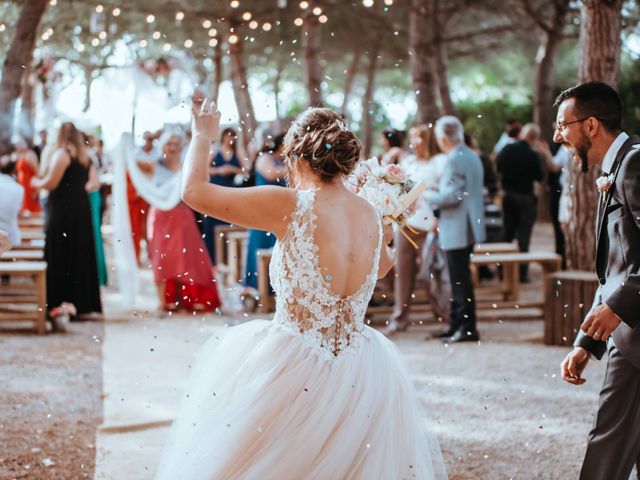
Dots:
pixel 600 322
pixel 573 366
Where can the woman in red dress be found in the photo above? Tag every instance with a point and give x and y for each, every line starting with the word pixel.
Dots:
pixel 27 168
pixel 181 266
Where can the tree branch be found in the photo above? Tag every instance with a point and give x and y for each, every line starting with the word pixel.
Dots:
pixel 535 16
pixel 464 37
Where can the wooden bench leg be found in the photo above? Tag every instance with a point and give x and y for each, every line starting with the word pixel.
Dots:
pixel 515 281
pixel 475 278
pixel 41 286
pixel 507 286
pixel 232 261
pixel 263 285
pixel 511 281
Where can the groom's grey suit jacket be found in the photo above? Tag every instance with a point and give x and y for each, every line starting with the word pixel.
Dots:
pixel 618 254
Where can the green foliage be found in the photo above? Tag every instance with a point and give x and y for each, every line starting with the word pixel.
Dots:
pixel 628 88
pixel 485 120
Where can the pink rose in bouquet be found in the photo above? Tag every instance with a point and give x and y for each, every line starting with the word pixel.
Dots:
pixel 395 175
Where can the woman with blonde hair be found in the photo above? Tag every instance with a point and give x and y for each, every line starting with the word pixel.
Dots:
pixel 426 163
pixel 72 274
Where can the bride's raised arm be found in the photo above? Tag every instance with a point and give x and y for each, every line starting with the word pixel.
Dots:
pixel 262 208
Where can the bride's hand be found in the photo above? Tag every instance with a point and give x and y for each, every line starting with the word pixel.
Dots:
pixel 206 120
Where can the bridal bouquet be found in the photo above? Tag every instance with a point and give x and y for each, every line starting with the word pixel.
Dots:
pixel 388 189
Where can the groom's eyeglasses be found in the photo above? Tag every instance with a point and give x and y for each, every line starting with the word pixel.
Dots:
pixel 561 127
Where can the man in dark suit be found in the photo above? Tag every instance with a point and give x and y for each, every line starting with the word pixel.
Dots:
pixel 520 166
pixel 589 124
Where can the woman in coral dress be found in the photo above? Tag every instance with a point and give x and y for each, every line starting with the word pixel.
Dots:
pixel 181 266
pixel 27 168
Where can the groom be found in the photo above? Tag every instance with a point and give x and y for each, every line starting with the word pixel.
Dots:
pixel 588 123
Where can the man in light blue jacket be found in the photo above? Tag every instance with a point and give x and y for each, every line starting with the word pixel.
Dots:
pixel 460 203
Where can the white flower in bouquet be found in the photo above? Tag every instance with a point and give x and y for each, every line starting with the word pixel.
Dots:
pixel 388 189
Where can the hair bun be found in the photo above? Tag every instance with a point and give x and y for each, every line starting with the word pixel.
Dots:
pixel 320 137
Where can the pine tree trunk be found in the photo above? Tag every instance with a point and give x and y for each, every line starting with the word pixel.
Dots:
pixel 312 67
pixel 217 71
pixel 20 54
pixel 440 61
pixel 600 39
pixel 421 52
pixel 351 76
pixel 241 90
pixel 599 60
pixel 440 65
pixel 543 113
pixel 368 104
pixel 26 118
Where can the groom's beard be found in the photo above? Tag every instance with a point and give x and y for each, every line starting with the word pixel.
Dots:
pixel 582 151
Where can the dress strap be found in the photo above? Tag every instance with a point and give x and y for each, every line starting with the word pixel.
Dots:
pixel 304 205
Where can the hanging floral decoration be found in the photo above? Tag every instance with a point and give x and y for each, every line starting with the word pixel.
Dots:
pixel 159 68
pixel 43 72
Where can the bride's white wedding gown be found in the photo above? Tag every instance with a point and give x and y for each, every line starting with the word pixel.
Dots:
pixel 312 394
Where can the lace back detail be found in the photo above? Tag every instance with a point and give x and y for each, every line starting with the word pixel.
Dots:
pixel 305 304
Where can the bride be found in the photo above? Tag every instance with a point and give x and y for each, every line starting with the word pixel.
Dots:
pixel 315 393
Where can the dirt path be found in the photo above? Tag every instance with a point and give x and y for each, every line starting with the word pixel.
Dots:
pixel 50 402
pixel 498 408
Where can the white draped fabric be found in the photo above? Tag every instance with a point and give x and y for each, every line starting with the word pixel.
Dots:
pixel 164 197
pixel 126 266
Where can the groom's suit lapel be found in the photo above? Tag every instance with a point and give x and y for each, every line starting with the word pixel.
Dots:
pixel 605 197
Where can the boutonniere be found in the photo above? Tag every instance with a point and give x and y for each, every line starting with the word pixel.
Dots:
pixel 604 183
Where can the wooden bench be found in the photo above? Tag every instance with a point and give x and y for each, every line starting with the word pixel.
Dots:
pixel 489 249
pixel 35 222
pixel 495 247
pixel 230 244
pixel 21 306
pixel 550 262
pixel 569 296
pixel 31 240
pixel 28 235
pixel 31 245
pixel 22 255
pixel 510 261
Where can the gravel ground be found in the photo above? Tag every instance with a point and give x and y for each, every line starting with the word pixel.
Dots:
pixel 498 407
pixel 50 402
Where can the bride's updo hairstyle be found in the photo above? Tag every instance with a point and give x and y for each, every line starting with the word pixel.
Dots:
pixel 319 137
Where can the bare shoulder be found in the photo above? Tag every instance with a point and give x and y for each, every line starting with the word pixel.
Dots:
pixel 61 156
pixel 365 209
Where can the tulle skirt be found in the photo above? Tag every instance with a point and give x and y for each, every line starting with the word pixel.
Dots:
pixel 263 403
